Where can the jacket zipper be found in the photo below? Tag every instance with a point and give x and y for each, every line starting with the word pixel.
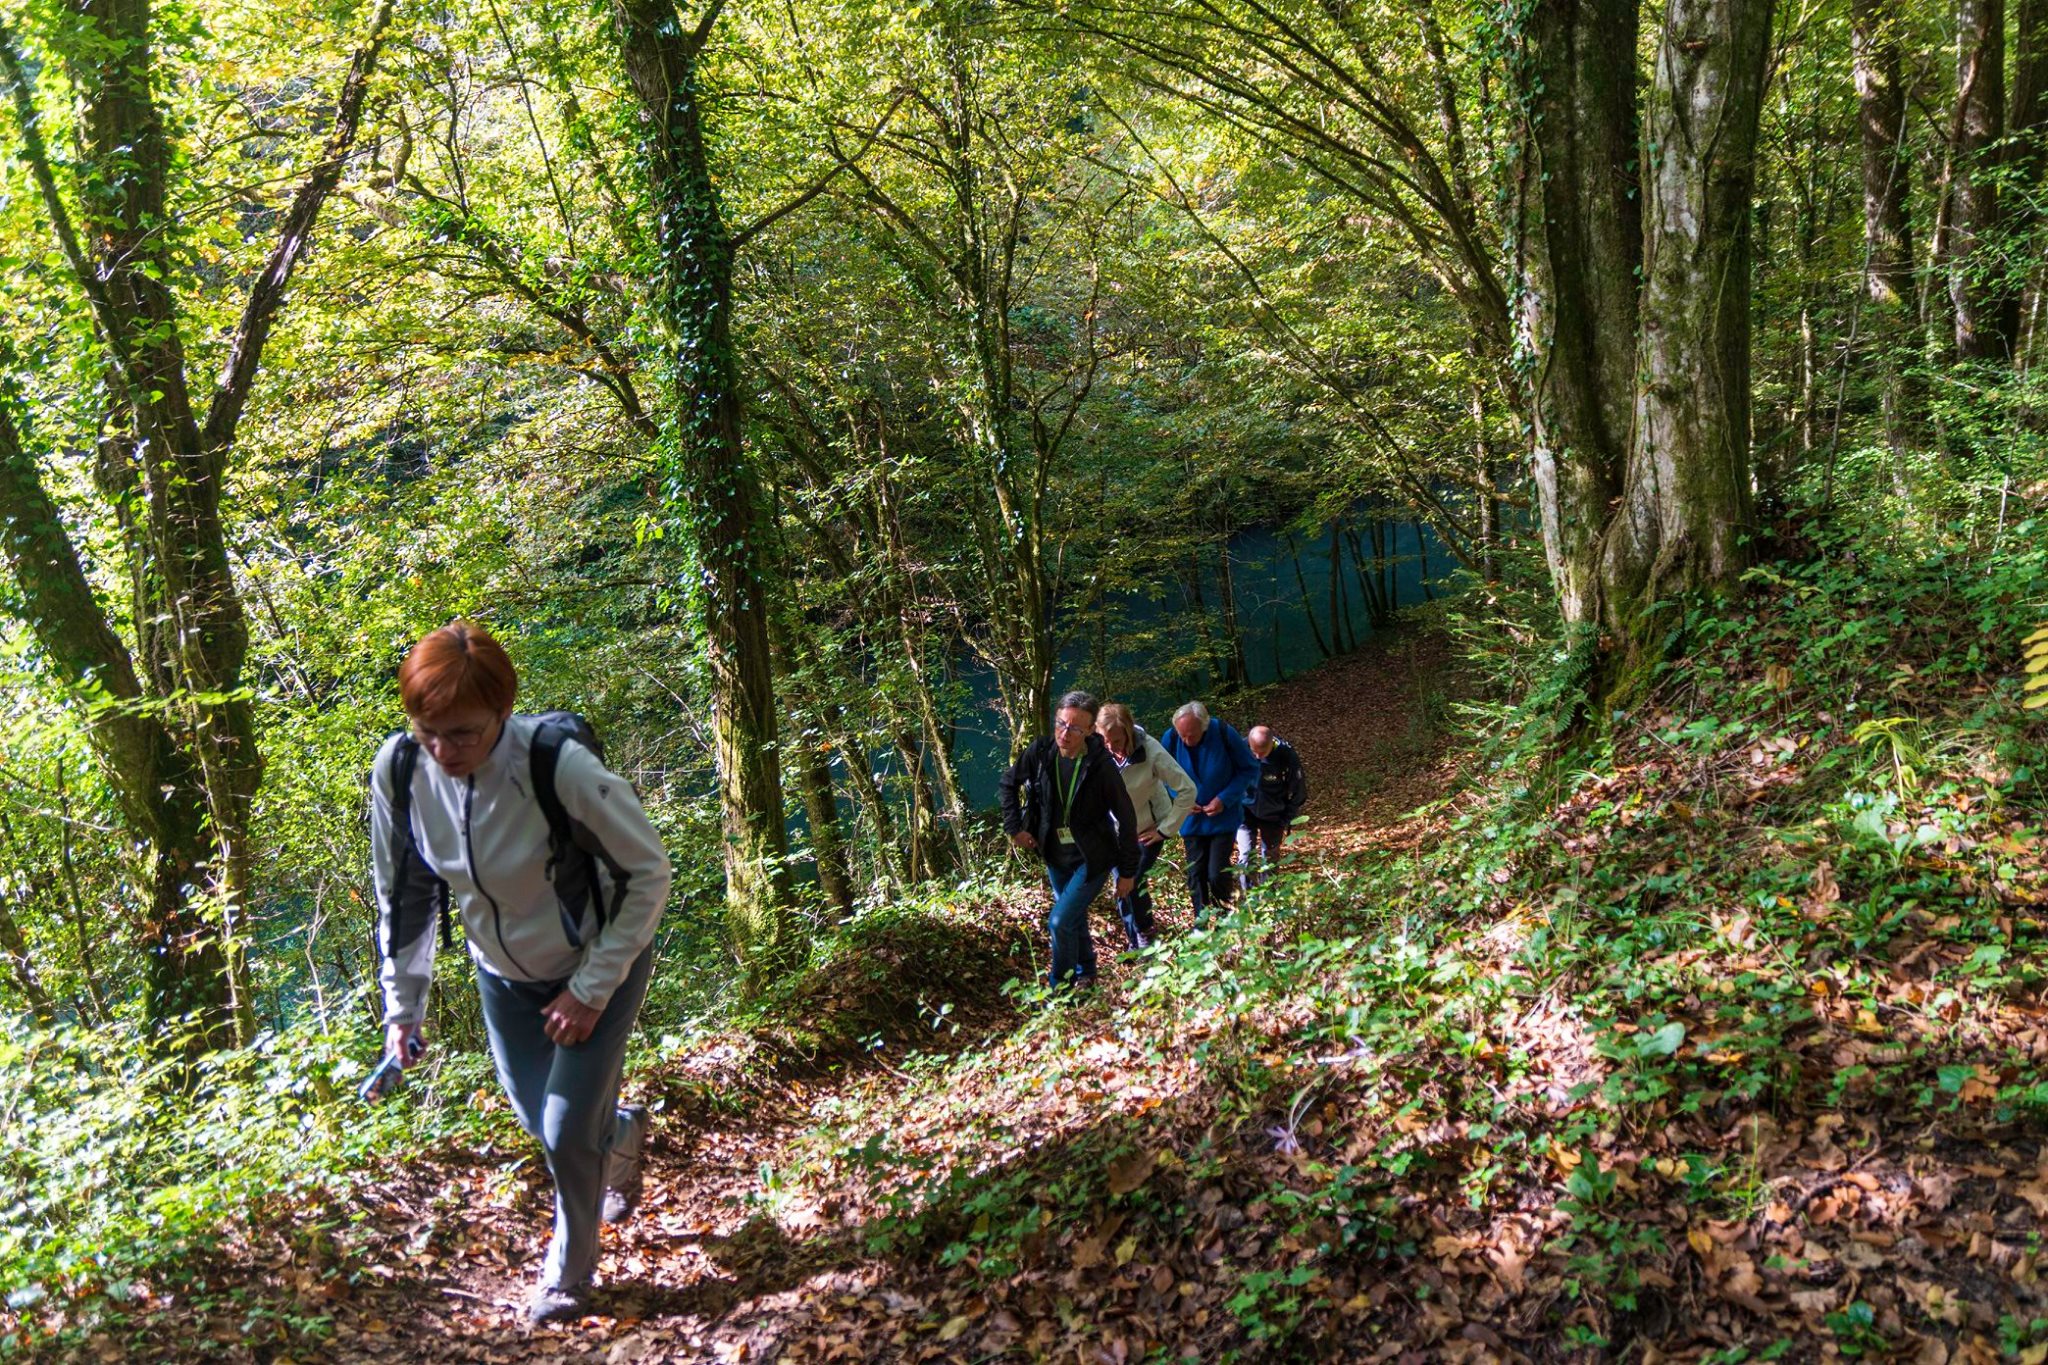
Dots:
pixel 469 851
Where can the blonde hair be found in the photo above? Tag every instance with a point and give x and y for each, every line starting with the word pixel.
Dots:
pixel 1115 716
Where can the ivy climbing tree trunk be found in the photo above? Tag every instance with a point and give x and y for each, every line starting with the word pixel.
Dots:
pixel 713 492
pixel 170 716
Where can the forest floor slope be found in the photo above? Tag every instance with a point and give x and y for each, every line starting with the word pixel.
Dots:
pixel 726 1261
pixel 1721 1039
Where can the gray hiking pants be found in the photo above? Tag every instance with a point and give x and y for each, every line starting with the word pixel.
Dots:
pixel 567 1097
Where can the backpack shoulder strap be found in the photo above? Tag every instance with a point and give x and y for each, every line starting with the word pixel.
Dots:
pixel 405 761
pixel 548 739
pixel 574 851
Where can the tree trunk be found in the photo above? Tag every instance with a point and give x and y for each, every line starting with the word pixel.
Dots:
pixel 1489 509
pixel 1235 674
pixel 2028 127
pixel 910 633
pixel 1198 605
pixel 1383 567
pixel 867 793
pixel 1338 617
pixel 1986 308
pixel 74 901
pixel 713 489
pixel 1887 230
pixel 182 758
pixel 1370 590
pixel 1686 498
pixel 14 947
pixel 821 814
pixel 923 853
pixel 1582 234
pixel 1308 606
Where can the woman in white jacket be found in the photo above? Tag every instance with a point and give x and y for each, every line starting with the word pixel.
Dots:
pixel 1162 794
pixel 460 821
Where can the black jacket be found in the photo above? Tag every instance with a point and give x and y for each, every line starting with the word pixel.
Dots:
pixel 1282 788
pixel 1104 825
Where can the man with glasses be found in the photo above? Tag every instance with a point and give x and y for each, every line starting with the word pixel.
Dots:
pixel 1064 799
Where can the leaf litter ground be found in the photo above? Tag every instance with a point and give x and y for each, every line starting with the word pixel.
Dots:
pixel 1679 1084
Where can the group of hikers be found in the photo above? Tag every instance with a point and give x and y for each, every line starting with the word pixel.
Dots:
pixel 513 824
pixel 1100 796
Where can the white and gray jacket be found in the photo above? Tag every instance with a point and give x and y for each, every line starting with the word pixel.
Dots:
pixel 486 838
pixel 1161 791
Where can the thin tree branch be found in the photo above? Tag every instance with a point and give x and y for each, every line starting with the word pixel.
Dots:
pixel 245 352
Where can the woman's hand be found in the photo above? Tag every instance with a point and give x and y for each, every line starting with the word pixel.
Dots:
pixel 1213 806
pixel 567 1020
pixel 1148 837
pixel 395 1036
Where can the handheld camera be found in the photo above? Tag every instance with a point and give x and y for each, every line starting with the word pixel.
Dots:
pixel 389 1075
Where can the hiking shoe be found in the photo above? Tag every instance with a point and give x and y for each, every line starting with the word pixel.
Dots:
pixel 553 1303
pixel 622 1164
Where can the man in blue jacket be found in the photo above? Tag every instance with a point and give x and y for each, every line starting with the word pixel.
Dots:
pixel 1224 770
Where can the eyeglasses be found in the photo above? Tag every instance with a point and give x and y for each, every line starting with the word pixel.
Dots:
pixel 463 737
pixel 1067 727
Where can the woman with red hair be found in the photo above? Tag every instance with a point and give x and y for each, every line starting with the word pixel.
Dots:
pixel 560 931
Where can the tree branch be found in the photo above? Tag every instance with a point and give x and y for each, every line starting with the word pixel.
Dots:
pixel 245 352
pixel 37 154
pixel 817 187
pixel 67 621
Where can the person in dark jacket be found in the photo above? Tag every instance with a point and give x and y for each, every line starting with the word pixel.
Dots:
pixel 1273 803
pixel 1223 769
pixel 1064 798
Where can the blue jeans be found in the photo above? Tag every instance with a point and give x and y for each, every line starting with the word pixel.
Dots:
pixel 567 1097
pixel 1136 908
pixel 1073 946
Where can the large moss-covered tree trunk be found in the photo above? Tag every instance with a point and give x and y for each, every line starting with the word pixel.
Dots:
pixel 1686 502
pixel 1582 234
pixel 1887 230
pixel 1640 391
pixel 713 490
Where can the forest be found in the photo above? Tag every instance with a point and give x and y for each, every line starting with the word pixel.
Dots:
pixel 1606 440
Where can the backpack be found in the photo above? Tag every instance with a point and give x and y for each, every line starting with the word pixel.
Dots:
pixel 573 850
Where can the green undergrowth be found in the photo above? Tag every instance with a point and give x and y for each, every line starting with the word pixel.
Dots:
pixel 897 977
pixel 134 1186
pixel 131 1181
pixel 1535 1067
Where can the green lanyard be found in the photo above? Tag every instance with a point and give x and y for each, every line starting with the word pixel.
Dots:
pixel 1073 785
